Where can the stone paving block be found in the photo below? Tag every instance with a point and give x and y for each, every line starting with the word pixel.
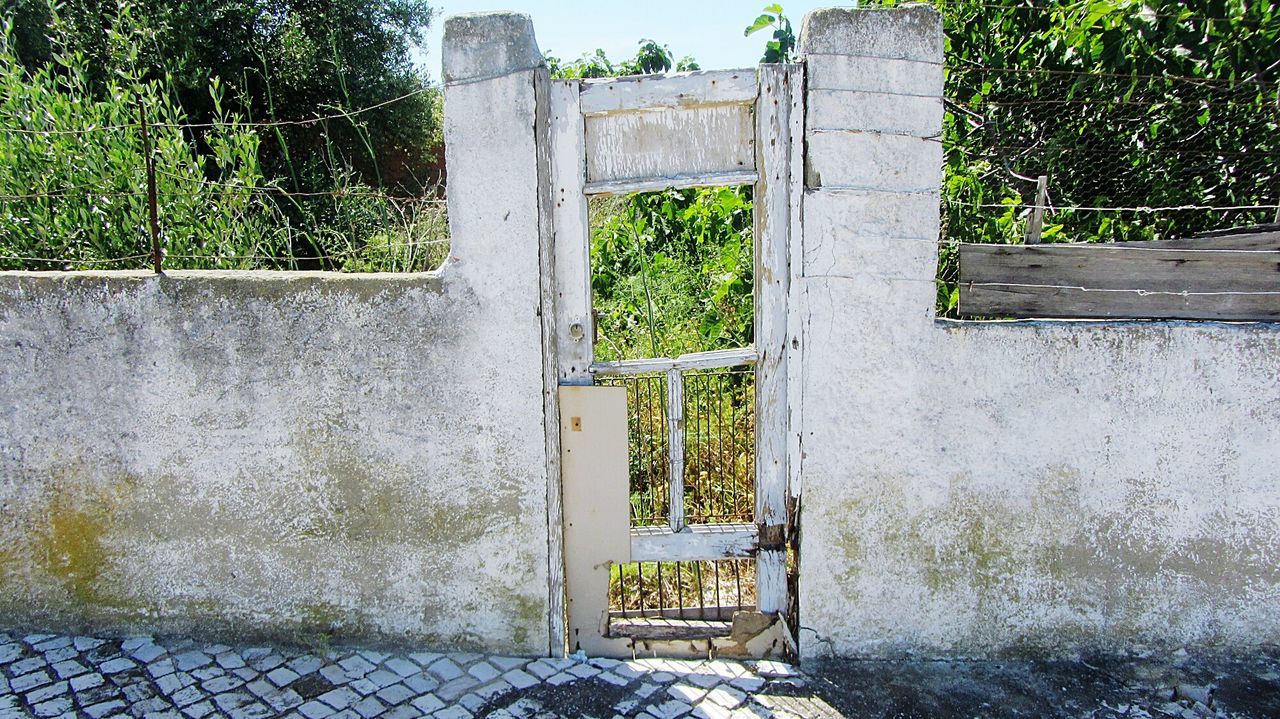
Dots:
pixel 493 689
pixel 60 655
pixel 315 710
pixel 671 709
pixel 686 693
pixel 726 696
pixel 54 642
pixel 374 656
pixel 369 707
pixel 137 691
pixel 507 663
pixel 209 672
pixel 484 671
pixel 450 691
pixel 421 683
pixel 192 660
pixel 334 673
pixel 97 711
pixel 561 679
pixel 583 671
pixel 662 677
pixel 26 666
pixel 10 652
pixel 340 698
pixel 252 653
pixel 153 704
pixel 453 712
pixel 27 682
pixel 446 669
pixel 48 691
pixel 356 666
pixel 117 665
pixel 282 676
pixel 542 669
pixel 645 689
pixel 167 714
pixel 520 679
pixel 168 666
pixel 224 683
pixel 52 707
pixel 771 669
pixel 396 694
pixel 427 703
pixel 364 687
pixel 711 710
pixel 747 684
pixel 402 667
pixel 84 644
pixel 265 663
pixel 425 659
pixel 69 668
pixel 187 696
pixel 305 664
pixel 405 711
pixel 245 673
pixel 383 678
pixel 229 660
pixel 613 679
pixel 197 711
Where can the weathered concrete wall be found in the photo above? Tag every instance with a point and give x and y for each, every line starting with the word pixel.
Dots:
pixel 974 488
pixel 299 455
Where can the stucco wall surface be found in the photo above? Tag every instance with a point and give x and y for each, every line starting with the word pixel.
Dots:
pixel 981 488
pixel 298 455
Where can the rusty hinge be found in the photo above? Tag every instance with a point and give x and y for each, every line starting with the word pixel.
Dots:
pixel 772 537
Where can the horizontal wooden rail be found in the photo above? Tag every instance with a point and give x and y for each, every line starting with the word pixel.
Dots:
pixel 672 90
pixel 655 184
pixel 696 543
pixel 1234 276
pixel 698 360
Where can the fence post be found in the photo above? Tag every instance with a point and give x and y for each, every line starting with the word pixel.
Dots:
pixel 1036 224
pixel 153 211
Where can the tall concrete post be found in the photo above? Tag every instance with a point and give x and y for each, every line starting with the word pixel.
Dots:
pixel 873 164
pixel 497 151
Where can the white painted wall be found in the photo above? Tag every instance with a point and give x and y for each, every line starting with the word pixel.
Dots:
pixel 980 488
pixel 301 455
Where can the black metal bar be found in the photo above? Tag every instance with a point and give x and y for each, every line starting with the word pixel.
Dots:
pixel 153 210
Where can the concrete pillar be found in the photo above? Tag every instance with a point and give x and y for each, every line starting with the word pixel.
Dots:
pixel 873 164
pixel 491 61
pixel 497 151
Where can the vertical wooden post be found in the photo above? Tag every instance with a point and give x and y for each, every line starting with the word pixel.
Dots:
pixel 1036 224
pixel 675 448
pixel 574 325
pixel 773 281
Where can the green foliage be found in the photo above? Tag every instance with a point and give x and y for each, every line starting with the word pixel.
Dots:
pixel 650 58
pixel 276 60
pixel 782 45
pixel 672 272
pixel 72 170
pixel 1121 104
pixel 231 194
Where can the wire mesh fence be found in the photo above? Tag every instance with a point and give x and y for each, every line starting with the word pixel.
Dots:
pixel 709 591
pixel 719 451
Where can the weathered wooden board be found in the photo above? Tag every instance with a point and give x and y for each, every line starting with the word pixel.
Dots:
pixel 572 244
pixel 673 90
pixel 692 361
pixel 651 628
pixel 698 542
pixel 1228 277
pixel 669 144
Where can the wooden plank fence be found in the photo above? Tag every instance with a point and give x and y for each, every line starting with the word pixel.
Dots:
pixel 1228 275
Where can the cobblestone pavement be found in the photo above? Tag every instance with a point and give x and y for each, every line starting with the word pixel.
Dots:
pixel 49 675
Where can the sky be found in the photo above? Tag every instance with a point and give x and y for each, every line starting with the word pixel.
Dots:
pixel 708 30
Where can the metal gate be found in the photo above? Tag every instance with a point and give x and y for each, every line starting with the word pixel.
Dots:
pixel 646 133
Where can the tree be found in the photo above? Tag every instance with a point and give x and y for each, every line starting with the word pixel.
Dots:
pixel 278 60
